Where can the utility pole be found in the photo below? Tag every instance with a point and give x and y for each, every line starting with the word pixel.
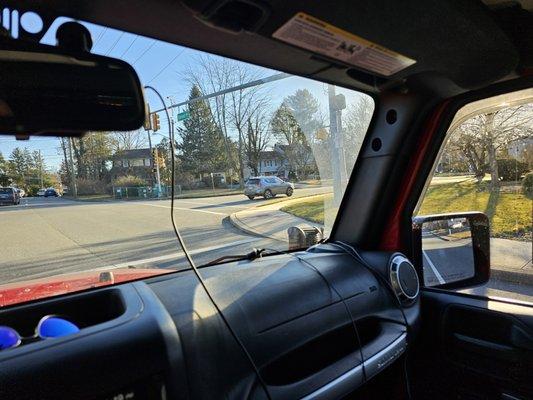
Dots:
pixel 154 157
pixel 171 133
pixel 73 184
pixel 336 143
pixel 41 168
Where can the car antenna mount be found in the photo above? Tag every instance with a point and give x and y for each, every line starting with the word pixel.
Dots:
pixel 74 37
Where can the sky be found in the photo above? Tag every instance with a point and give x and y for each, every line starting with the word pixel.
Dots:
pixel 161 65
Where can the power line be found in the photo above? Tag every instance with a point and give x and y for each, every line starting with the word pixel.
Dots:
pixel 144 52
pixel 114 44
pixel 166 66
pixel 99 37
pixel 129 47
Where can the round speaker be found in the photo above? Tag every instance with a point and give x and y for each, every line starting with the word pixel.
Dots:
pixel 403 278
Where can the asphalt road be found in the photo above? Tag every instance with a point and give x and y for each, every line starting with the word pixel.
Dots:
pixel 44 237
pixel 446 260
pixel 47 236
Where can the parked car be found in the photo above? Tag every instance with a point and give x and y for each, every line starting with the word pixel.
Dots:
pixel 51 192
pixel 9 195
pixel 267 187
pixel 41 192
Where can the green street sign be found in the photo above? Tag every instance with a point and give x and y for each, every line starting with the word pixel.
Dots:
pixel 182 116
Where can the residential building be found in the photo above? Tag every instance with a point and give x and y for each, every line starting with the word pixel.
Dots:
pixel 136 162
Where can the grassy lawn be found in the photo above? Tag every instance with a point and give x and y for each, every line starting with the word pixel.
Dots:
pixel 510 214
pixel 311 209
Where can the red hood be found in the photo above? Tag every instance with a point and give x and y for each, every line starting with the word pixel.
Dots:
pixel 19 292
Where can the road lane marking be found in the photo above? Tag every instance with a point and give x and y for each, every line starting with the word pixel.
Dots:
pixel 176 255
pixel 433 268
pixel 183 208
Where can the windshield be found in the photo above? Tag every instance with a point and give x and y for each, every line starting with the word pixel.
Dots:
pixel 238 128
pixel 6 191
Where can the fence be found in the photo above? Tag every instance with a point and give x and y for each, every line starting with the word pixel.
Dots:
pixel 143 192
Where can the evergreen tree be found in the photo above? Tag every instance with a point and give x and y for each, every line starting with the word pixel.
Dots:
pixel 288 132
pixel 4 177
pixel 202 142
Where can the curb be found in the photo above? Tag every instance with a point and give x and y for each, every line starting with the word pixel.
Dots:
pixel 244 228
pixel 521 278
pixel 234 220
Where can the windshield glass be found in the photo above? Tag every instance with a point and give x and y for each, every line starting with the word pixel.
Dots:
pixel 237 128
pixel 6 191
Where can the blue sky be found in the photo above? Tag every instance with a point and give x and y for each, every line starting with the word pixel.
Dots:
pixel 161 65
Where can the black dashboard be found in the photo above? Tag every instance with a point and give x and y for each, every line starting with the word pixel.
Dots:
pixel 316 324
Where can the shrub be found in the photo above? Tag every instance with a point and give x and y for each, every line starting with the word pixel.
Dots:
pixel 31 191
pixel 511 169
pixel 90 186
pixel 527 185
pixel 129 181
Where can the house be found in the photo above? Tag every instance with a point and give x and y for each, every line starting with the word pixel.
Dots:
pixel 136 162
pixel 276 162
pixel 273 162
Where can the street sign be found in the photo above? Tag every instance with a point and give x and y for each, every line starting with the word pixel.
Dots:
pixel 182 116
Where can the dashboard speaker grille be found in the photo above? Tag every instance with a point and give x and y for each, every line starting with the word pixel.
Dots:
pixel 403 278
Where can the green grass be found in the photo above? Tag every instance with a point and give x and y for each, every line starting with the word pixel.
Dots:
pixel 510 214
pixel 311 209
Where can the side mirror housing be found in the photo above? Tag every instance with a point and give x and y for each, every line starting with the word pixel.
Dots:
pixel 452 251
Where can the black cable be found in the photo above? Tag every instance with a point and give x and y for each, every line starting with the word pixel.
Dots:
pixel 355 254
pixel 189 258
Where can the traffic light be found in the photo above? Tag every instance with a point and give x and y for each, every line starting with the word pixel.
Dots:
pixel 155 122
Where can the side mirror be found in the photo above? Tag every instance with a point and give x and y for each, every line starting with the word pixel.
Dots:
pixel 452 250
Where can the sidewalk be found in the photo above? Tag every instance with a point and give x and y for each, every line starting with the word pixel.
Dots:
pixel 269 221
pixel 507 256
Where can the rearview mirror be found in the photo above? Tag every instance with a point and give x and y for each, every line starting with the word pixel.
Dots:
pixel 46 89
pixel 452 250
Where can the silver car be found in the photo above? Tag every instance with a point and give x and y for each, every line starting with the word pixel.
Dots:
pixel 267 187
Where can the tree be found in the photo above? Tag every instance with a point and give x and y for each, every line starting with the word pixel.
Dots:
pixel 92 154
pixel 231 111
pixel 257 140
pixel 355 121
pixel 129 140
pixel 4 173
pixel 19 165
pixel 305 109
pixel 483 136
pixel 201 139
pixel 25 169
pixel 289 134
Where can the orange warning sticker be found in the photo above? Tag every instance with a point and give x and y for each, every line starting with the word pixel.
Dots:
pixel 310 33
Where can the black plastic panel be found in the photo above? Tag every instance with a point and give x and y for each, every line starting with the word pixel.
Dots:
pixel 105 356
pixel 295 314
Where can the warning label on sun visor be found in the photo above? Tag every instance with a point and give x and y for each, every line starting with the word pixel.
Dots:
pixel 310 33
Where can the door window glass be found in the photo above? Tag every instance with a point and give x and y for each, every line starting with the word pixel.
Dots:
pixel 486 164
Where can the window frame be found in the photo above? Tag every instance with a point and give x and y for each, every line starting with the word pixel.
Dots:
pixel 431 157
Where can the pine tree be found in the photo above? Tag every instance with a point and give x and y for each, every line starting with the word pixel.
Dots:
pixel 202 142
